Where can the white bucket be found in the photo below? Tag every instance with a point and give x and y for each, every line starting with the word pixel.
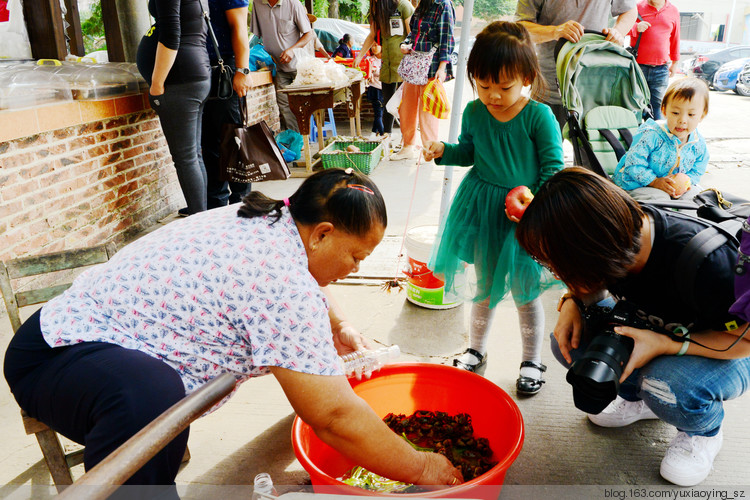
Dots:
pixel 423 288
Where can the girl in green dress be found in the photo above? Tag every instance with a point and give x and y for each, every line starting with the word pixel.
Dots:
pixel 509 140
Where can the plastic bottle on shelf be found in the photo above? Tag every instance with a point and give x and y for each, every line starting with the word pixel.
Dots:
pixel 365 362
pixel 263 487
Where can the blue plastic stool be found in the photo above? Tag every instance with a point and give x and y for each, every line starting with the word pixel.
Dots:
pixel 328 126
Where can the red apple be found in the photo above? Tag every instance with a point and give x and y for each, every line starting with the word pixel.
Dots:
pixel 517 200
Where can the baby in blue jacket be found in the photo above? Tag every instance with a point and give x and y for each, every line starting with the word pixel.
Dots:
pixel 668 158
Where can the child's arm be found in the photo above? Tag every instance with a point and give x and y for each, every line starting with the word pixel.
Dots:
pixel 634 169
pixel 696 171
pixel 549 147
pixel 461 154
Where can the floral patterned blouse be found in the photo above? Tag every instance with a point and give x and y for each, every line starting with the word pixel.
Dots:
pixel 209 294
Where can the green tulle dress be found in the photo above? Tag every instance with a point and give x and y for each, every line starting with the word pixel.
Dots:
pixel 527 150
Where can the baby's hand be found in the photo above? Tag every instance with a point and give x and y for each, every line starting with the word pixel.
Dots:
pixel 432 150
pixel 666 184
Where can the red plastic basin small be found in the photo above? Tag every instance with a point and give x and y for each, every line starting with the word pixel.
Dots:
pixel 405 388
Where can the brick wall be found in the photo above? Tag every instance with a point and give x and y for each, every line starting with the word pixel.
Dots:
pixel 82 185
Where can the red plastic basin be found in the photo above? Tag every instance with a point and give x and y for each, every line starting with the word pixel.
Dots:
pixel 405 388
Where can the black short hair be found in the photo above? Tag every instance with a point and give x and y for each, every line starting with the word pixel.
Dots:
pixel 585 227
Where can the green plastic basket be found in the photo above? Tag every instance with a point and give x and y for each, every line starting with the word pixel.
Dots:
pixel 336 156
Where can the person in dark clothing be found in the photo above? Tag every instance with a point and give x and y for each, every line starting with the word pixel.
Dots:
pixel 596 238
pixel 345 47
pixel 172 58
pixel 229 22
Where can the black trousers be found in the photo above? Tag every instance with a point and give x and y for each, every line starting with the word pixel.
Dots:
pixel 96 394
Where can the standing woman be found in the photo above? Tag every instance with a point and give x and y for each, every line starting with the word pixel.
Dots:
pixel 431 30
pixel 389 25
pixel 173 60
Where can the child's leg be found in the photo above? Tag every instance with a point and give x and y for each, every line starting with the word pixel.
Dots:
pixel 377 108
pixel 479 328
pixel 531 321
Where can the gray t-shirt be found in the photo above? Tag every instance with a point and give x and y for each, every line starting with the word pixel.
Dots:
pixel 280 27
pixel 592 14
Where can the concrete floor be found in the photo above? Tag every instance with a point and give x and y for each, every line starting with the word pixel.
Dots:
pixel 564 456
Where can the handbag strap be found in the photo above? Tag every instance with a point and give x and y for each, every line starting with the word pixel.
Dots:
pixel 214 41
pixel 243 111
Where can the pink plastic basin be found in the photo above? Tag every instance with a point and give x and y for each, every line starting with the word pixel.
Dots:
pixel 405 388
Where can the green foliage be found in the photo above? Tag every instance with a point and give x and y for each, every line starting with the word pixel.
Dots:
pixel 491 10
pixel 92 29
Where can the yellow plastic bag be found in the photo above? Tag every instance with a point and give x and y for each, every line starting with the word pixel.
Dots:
pixel 435 100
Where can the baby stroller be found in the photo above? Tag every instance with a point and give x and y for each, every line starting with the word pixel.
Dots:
pixel 605 96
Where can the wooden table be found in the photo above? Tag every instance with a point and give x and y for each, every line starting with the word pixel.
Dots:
pixel 309 100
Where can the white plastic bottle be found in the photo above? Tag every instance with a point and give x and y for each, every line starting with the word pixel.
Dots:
pixel 263 487
pixel 365 362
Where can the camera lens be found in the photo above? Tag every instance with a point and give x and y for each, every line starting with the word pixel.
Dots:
pixel 595 377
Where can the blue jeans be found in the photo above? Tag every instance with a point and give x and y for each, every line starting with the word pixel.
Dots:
pixel 180 109
pixel 684 391
pixel 657 78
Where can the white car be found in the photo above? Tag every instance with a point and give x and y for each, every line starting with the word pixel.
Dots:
pixel 743 81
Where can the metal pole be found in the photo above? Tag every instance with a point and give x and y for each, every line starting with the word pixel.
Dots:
pixel 456 107
pixel 103 479
pixel 731 20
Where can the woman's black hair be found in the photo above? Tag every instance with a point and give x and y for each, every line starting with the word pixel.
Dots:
pixel 505 49
pixel 380 16
pixel 348 199
pixel 585 227
pixel 423 8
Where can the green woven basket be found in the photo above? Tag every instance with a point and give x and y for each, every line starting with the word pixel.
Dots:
pixel 336 156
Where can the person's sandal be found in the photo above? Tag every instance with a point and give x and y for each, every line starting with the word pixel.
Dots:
pixel 529 386
pixel 478 367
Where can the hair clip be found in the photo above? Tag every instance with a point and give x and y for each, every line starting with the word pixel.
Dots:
pixel 360 187
pixel 349 171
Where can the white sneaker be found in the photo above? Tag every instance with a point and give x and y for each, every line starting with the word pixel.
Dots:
pixel 406 153
pixel 689 459
pixel 622 412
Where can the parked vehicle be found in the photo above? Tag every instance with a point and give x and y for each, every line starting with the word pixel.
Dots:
pixel 743 81
pixel 726 76
pixel 338 27
pixel 705 65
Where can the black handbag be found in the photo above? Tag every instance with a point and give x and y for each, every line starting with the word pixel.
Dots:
pixel 221 74
pixel 249 153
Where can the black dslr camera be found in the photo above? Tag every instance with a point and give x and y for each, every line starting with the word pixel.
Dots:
pixel 595 377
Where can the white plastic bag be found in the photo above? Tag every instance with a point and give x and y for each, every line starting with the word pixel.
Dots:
pixel 14 40
pixel 394 102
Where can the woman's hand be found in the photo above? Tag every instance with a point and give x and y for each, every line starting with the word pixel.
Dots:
pixel 156 88
pixel 432 150
pixel 568 328
pixel 648 345
pixel 405 49
pixel 441 73
pixel 347 339
pixel 439 470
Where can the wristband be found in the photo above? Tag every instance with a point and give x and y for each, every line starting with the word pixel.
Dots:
pixel 567 295
pixel 686 343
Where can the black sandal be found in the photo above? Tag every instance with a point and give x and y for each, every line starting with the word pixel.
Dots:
pixel 478 367
pixel 529 385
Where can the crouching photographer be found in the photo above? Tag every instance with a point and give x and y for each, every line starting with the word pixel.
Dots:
pixel 682 352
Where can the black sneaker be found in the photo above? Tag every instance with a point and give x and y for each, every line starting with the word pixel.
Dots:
pixel 183 212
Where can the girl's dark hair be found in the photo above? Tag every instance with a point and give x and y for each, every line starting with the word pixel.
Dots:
pixel 347 199
pixel 423 8
pixel 685 89
pixel 505 49
pixel 380 15
pixel 345 39
pixel 584 226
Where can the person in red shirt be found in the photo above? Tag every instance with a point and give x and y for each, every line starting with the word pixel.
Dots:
pixel 659 49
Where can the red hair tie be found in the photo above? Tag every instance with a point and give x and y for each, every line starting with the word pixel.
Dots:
pixel 360 187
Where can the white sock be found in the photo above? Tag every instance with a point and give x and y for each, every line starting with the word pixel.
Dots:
pixel 479 327
pixel 531 321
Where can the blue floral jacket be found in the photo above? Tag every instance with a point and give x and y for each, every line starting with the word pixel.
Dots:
pixel 655 150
